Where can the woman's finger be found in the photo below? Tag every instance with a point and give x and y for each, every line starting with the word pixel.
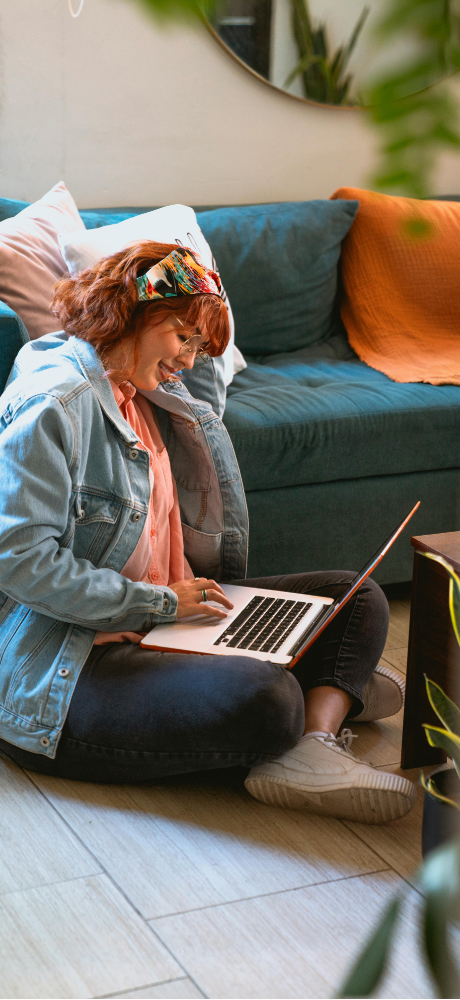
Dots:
pixel 207 609
pixel 218 596
pixel 204 584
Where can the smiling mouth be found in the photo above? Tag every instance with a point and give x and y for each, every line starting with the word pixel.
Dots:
pixel 165 370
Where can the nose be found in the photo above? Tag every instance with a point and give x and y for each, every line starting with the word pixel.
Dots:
pixel 187 360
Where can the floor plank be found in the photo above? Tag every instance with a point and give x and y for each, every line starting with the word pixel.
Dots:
pixel 379 743
pixel 396 658
pixel 37 848
pixel 76 939
pixel 182 846
pixel 293 944
pixel 399 844
pixel 178 989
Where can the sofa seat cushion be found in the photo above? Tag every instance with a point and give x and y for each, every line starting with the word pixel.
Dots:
pixel 319 414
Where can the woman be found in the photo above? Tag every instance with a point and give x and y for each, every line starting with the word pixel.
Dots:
pixel 101 445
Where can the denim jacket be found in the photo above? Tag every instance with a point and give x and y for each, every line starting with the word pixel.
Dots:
pixel 73 502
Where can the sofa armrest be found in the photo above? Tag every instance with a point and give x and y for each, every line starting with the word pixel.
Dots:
pixel 13 336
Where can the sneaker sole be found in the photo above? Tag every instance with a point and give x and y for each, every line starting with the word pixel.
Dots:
pixel 373 798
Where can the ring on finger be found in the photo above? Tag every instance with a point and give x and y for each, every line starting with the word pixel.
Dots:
pixel 204 595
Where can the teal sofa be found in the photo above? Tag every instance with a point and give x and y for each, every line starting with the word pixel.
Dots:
pixel 332 452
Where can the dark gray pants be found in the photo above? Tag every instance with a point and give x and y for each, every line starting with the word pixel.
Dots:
pixel 138 715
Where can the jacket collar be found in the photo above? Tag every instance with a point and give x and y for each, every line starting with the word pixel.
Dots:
pixel 91 365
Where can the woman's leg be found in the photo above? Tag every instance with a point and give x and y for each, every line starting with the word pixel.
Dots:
pixel 138 715
pixel 345 655
pixel 320 773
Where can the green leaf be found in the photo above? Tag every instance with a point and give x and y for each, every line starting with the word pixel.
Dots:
pixel 454 606
pixel 445 709
pixel 417 227
pixel 302 65
pixel 446 741
pixel 440 872
pixel 439 879
pixel 179 10
pixel 367 972
pixel 432 790
pixel 454 591
pixel 438 953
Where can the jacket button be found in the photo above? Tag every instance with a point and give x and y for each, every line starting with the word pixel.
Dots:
pixel 136 516
pixel 165 603
pixel 63 672
pixel 133 454
pixel 45 741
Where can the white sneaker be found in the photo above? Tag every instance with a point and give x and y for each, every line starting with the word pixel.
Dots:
pixel 322 775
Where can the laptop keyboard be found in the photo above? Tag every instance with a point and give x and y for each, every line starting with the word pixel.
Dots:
pixel 264 624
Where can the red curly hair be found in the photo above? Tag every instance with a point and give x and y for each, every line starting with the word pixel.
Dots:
pixel 100 305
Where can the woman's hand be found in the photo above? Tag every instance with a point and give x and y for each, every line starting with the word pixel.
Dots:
pixel 190 598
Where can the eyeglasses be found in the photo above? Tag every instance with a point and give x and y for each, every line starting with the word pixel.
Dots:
pixel 192 346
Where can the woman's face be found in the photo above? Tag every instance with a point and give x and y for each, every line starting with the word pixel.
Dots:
pixel 158 352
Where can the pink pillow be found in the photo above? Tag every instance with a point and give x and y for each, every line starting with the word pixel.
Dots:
pixel 30 258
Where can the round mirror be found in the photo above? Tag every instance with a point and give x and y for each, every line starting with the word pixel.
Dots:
pixel 316 50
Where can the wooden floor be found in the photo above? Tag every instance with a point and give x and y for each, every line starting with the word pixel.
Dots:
pixel 194 889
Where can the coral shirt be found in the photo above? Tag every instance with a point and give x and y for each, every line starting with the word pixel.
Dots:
pixel 159 555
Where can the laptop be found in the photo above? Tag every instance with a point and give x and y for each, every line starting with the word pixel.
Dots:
pixel 271 625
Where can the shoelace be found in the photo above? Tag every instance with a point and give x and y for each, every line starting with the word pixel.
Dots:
pixel 343 741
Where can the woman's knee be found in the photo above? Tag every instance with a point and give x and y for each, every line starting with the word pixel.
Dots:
pixel 277 707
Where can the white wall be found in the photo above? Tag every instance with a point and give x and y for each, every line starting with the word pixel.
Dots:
pixel 127 112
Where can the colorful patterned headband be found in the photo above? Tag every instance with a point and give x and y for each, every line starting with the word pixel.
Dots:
pixel 180 273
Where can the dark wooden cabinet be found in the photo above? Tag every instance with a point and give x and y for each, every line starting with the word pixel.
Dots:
pixel 433 648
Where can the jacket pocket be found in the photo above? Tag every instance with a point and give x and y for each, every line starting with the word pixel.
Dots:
pixel 203 551
pixel 94 521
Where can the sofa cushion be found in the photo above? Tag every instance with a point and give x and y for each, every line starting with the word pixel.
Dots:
pixel 30 258
pixel 279 265
pixel 401 275
pixel 10 207
pixel 320 414
pixel 13 336
pixel 94 218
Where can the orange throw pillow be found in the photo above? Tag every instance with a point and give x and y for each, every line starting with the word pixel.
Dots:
pixel 401 277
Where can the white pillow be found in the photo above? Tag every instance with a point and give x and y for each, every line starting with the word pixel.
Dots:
pixel 172 224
